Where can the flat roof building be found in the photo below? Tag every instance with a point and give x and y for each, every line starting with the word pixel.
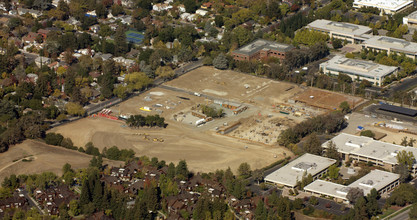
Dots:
pixel 381 181
pixel 352 33
pixel 365 149
pixel 411 20
pixel 398 110
pixel 261 49
pixel 390 44
pixel 377 179
pixel 358 69
pixel 387 6
pixel 289 174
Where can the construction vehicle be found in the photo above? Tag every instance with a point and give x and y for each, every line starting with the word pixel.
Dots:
pixel 380 124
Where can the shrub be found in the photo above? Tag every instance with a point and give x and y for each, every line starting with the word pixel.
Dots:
pixel 308 210
pixel 314 201
pixel 54 139
pixel 368 133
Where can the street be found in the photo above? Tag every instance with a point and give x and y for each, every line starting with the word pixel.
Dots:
pixel 32 202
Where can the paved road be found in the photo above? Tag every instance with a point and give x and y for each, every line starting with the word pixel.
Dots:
pixel 32 202
pixel 404 85
pixel 401 216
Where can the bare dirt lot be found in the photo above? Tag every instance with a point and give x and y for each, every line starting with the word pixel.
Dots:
pixel 203 151
pixel 326 99
pixel 236 86
pixel 262 129
pixel 41 158
pixel 202 148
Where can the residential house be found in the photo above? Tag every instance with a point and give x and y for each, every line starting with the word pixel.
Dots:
pixel 16 201
pixel 39 61
pixel 128 3
pixel 206 5
pixel 201 12
pixel 34 13
pixel 44 33
pixel 30 38
pixel 161 7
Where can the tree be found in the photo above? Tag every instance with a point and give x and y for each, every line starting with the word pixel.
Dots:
pixel 74 109
pixel 244 170
pixel 313 200
pixel 121 46
pixel 337 43
pixel 354 194
pixel 261 213
pixel 331 151
pixel 345 107
pixel 117 9
pixel 218 20
pixel 368 133
pixel 53 139
pixel 372 203
pixel 312 145
pixel 360 209
pixel 402 195
pixel 220 62
pixel 181 170
pixel 171 171
pixel 190 6
pixel 402 169
pixel 75 207
pixel 137 81
pixel 165 72
pixel 406 157
pixel 333 172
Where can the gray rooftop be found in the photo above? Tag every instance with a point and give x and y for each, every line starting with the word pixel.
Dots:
pixel 386 4
pixel 289 174
pixel 395 44
pixel 368 147
pixel 358 67
pixel 377 179
pixel 328 188
pixel 339 27
pixel 262 44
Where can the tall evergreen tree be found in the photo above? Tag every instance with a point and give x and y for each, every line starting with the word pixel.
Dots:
pixel 85 193
pixel 372 203
pixel 120 44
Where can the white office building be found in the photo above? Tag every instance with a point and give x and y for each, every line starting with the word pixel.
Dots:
pixel 358 69
pixel 388 6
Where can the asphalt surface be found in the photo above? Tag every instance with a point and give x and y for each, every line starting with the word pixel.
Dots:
pixel 404 85
pixel 32 202
pixel 373 110
pixel 401 216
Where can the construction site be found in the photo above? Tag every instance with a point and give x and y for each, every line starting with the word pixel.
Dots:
pixel 252 112
pixel 326 99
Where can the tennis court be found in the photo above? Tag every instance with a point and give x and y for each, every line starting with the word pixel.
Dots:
pixel 134 37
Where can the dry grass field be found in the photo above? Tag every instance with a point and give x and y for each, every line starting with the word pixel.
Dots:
pixel 203 151
pixel 43 158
